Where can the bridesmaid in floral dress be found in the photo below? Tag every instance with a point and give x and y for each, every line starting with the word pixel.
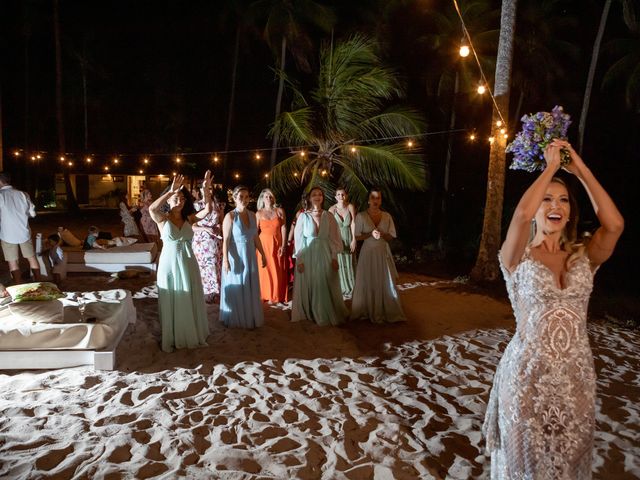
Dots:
pixel 345 214
pixel 272 225
pixel 207 247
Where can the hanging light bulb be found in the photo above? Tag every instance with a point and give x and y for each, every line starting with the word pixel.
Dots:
pixel 464 48
pixel 499 123
pixel 88 159
pixel 353 149
pixel 106 168
pixel 409 144
pixel 491 139
pixel 258 156
pixel 62 158
pixel 472 137
pixel 38 156
pixel 302 154
pixel 482 89
pixel 215 159
pixel 178 160
pixel 16 153
pixel 146 161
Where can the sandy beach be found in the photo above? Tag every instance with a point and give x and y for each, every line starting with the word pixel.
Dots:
pixel 293 400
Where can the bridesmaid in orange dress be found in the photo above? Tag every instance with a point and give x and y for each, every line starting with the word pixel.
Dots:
pixel 272 225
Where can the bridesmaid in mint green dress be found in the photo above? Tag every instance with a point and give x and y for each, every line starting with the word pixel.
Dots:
pixel 181 307
pixel 345 214
pixel 375 295
pixel 316 286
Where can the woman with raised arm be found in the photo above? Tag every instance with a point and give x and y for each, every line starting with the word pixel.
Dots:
pixel 345 214
pixel 240 304
pixel 540 419
pixel 207 246
pixel 375 295
pixel 183 316
pixel 272 225
pixel 316 286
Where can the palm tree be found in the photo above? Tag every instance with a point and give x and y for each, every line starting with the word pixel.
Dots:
pixel 285 29
pixel 331 132
pixel 486 267
pixel 72 204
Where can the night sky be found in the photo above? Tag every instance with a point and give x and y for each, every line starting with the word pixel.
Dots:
pixel 159 73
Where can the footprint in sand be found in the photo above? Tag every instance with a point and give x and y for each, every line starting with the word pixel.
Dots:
pixel 151 470
pixel 120 454
pixel 53 458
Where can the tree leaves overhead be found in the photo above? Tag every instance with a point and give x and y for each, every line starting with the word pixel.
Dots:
pixel 347 129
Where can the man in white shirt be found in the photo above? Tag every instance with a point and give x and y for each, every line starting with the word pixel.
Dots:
pixel 15 209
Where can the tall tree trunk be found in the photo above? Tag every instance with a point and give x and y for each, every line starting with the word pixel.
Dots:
pixel 447 166
pixel 232 100
pixel 486 268
pixel 72 204
pixel 592 72
pixel 276 134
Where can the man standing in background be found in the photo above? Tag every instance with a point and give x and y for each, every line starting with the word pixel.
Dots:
pixel 15 210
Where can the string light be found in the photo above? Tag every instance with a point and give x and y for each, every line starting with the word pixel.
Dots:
pixel 323 173
pixel 215 159
pixel 62 158
pixel 472 137
pixel 70 164
pixel 88 159
pixel 16 153
pixel 482 89
pixel 302 154
pixel 353 149
pixel 295 174
pixel 503 130
pixel 140 172
pixel 38 156
pixel 257 156
pixel 236 176
pixel 116 161
pixel 106 168
pixel 33 158
pixel 464 48
pixel 266 175
pixel 499 123
pixel 178 160
pixel 491 139
pixel 146 161
pixel 506 136
pixel 410 144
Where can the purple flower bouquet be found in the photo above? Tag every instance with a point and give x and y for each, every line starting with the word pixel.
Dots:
pixel 538 130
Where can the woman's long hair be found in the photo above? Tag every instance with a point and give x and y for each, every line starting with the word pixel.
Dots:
pixel 263 193
pixel 307 198
pixel 187 208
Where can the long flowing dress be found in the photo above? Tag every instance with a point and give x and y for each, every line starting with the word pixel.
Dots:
pixel 208 250
pixel 375 295
pixel 273 279
pixel 316 291
pixel 130 227
pixel 345 257
pixel 540 419
pixel 183 315
pixel 240 304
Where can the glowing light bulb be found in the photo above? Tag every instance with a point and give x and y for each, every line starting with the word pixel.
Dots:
pixel 106 169
pixel 353 149
pixel 33 158
pixel 491 139
pixel 257 156
pixel 295 174
pixel 482 89
pixel 88 160
pixel 236 176
pixel 506 135
pixel 70 164
pixel 116 161
pixel 472 137
pixel 266 175
pixel 16 153
pixel 140 172
pixel 464 51
pixel 178 159
pixel 62 158
pixel 215 159
pixel 410 144
pixel 146 161
pixel 324 172
pixel 302 154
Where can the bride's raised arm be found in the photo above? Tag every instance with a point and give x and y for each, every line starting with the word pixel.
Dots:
pixel 520 226
pixel 611 221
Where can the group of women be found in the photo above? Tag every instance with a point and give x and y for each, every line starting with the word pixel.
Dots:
pixel 209 256
pixel 540 420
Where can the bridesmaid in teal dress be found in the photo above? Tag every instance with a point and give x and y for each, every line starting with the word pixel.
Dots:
pixel 240 303
pixel 316 286
pixel 375 295
pixel 183 316
pixel 345 214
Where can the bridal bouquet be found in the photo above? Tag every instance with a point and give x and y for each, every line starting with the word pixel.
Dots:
pixel 538 130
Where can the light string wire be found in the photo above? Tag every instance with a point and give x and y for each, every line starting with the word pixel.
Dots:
pixel 248 150
pixel 475 55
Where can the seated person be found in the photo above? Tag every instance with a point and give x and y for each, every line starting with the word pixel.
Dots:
pixel 103 240
pixel 93 239
pixel 54 250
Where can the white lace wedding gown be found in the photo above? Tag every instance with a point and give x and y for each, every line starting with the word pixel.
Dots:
pixel 541 415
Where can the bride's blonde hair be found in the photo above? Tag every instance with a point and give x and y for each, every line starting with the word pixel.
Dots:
pixel 569 241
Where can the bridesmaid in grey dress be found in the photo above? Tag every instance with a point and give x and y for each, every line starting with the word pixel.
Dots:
pixel 375 295
pixel 345 214
pixel 540 420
